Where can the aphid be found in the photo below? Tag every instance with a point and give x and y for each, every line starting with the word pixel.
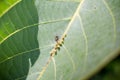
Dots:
pixel 56 38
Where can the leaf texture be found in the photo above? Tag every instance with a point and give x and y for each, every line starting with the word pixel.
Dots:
pixel 27 36
pixel 6 5
pixel 18 41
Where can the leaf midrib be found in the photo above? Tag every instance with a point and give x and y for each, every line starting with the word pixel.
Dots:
pixel 63 36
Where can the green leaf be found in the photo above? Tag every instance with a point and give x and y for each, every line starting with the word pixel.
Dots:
pixel 18 40
pixel 92 39
pixel 6 5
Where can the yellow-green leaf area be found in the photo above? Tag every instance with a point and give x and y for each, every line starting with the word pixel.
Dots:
pixel 5 5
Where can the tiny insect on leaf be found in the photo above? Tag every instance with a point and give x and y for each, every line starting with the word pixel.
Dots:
pixel 56 38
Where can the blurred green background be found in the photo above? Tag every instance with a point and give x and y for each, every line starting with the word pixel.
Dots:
pixel 109 72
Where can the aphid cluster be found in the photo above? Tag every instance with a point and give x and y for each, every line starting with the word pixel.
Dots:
pixel 58 44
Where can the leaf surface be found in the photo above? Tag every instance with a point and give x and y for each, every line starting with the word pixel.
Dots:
pixel 6 5
pixel 26 39
pixel 18 40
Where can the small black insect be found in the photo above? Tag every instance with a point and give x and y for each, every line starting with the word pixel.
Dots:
pixel 56 38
